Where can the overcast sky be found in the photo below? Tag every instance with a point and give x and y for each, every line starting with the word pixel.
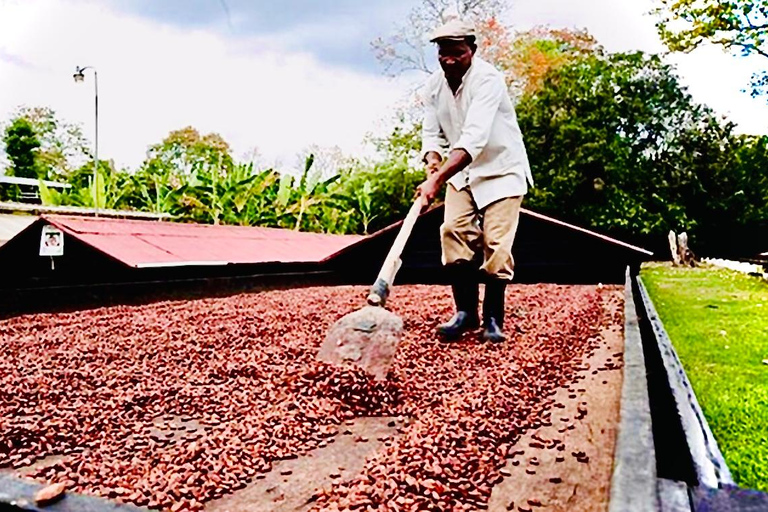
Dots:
pixel 277 76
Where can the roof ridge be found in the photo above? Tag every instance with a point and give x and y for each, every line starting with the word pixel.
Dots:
pixel 184 225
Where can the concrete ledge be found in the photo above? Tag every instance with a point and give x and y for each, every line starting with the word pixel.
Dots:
pixel 710 466
pixel 634 482
pixel 673 496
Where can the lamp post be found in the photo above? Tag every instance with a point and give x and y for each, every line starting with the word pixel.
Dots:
pixel 79 77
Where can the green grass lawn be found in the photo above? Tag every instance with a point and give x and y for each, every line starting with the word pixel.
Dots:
pixel 718 322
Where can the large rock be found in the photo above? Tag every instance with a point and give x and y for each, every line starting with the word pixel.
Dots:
pixel 366 339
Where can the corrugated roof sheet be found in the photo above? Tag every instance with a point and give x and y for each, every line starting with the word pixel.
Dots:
pixel 143 244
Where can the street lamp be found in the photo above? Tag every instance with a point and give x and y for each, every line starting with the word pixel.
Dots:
pixel 79 77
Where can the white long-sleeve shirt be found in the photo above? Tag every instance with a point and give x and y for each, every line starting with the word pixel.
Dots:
pixel 480 119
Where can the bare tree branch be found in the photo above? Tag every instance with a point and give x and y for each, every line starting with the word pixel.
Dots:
pixel 405 50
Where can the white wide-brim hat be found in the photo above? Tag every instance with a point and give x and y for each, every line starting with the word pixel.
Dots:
pixel 455 29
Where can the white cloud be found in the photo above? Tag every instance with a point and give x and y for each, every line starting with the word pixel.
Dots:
pixel 154 78
pixel 264 93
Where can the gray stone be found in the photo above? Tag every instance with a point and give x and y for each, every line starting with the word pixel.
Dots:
pixel 673 496
pixel 366 339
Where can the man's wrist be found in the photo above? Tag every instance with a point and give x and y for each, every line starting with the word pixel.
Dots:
pixel 456 162
pixel 440 176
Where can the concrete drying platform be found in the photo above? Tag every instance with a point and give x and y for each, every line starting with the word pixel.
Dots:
pixel 218 405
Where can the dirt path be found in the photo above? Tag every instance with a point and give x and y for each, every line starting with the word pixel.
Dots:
pixel 291 484
pixel 567 466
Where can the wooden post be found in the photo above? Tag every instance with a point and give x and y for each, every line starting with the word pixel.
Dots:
pixel 673 247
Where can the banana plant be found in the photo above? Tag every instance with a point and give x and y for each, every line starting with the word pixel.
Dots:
pixel 228 198
pixel 364 202
pixel 109 192
pixel 159 197
pixel 309 195
pixel 49 196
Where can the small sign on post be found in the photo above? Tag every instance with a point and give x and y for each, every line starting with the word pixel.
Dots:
pixel 51 242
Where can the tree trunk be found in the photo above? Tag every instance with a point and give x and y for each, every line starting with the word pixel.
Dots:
pixel 687 258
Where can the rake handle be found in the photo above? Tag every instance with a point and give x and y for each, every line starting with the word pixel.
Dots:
pixel 380 289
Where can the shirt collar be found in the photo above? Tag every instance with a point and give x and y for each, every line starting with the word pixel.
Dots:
pixel 463 79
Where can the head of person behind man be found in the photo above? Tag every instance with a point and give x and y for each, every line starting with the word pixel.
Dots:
pixel 456 42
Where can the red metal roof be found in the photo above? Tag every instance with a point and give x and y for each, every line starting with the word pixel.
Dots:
pixel 142 244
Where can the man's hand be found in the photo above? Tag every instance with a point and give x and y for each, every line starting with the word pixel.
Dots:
pixel 433 161
pixel 430 188
pixel 457 160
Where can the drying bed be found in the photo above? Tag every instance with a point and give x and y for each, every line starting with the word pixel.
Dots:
pixel 219 404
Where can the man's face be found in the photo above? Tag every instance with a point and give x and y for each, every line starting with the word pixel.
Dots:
pixel 455 57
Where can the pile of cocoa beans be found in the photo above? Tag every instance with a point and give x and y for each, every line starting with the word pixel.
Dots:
pixel 173 404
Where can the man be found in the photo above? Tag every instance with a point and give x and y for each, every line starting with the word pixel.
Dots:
pixel 468 112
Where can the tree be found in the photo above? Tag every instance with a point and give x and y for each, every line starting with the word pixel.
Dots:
pixel 63 149
pixel 305 195
pixel 528 56
pixel 185 151
pixel 591 133
pixel 22 147
pixel 406 50
pixel 404 141
pixel 733 201
pixel 736 25
pixel 617 144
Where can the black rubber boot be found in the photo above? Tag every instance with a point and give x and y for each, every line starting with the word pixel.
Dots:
pixel 465 294
pixel 493 311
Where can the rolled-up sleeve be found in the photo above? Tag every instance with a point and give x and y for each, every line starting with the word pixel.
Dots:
pixel 480 116
pixel 432 136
